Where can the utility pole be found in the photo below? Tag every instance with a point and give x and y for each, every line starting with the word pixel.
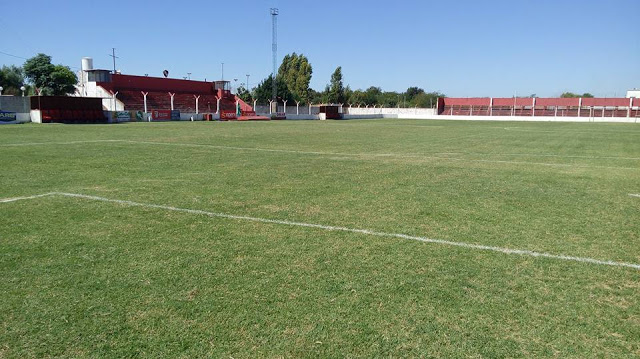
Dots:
pixel 274 48
pixel 222 71
pixel 113 54
pixel 189 75
pixel 248 89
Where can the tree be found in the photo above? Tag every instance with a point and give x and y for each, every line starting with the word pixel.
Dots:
pixel 575 95
pixel 413 92
pixel 11 79
pixel 262 92
pixel 315 96
pixel 336 89
pixel 427 99
pixel 357 98
pixel 57 80
pixel 372 94
pixel 296 72
pixel 244 94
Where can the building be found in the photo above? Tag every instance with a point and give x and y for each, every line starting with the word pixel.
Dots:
pixel 540 107
pixel 635 93
pixel 146 94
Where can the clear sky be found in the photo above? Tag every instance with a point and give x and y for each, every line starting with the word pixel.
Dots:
pixel 461 48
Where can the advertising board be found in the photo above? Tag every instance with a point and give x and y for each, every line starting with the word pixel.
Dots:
pixel 161 115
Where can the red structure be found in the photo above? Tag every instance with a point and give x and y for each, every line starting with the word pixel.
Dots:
pixel 176 94
pixel 64 109
pixel 556 107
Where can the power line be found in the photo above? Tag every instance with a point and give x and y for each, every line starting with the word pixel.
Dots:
pixel 24 58
pixel 16 56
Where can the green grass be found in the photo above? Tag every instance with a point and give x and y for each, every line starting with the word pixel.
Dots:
pixel 84 278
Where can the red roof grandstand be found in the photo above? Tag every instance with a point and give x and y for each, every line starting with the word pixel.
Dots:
pixel 131 91
pixel 527 106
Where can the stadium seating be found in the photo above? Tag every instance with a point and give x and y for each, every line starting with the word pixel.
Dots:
pixel 130 89
pixel 559 107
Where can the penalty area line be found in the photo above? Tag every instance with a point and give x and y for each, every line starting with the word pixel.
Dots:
pixel 369 232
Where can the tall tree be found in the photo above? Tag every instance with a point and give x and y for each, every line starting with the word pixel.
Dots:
pixel 336 88
pixel 57 80
pixel 296 72
pixel 262 92
pixel 11 79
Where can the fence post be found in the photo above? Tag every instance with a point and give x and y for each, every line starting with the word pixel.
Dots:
pixel 533 109
pixel 579 106
pixel 171 94
pixel 491 106
pixel 197 98
pixel 144 95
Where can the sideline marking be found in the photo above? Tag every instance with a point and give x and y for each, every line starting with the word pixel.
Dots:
pixel 634 195
pixel 504 250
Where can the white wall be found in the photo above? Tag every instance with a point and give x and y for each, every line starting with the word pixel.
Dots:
pixel 633 93
pixel 93 90
pixel 400 112
pixel 537 119
pixel 36 116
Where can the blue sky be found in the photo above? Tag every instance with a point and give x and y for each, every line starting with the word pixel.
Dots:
pixel 461 48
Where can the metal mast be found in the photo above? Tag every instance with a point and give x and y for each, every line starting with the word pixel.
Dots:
pixel 274 48
pixel 113 54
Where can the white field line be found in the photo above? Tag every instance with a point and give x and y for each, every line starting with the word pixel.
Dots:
pixel 369 232
pixel 14 199
pixel 634 195
pixel 54 143
pixel 388 155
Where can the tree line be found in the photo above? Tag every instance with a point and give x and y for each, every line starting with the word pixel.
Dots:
pixel 38 73
pixel 294 76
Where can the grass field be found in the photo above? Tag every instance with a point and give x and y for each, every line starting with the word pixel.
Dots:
pixel 90 277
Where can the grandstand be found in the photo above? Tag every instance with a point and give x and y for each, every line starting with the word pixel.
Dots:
pixel 147 94
pixel 543 107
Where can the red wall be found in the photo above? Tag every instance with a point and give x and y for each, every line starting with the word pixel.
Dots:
pixel 564 102
pixel 158 84
pixel 509 101
pixel 546 102
pixel 605 102
pixel 475 101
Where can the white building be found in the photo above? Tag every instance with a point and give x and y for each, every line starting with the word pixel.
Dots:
pixel 635 93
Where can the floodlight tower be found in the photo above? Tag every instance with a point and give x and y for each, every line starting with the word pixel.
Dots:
pixel 274 48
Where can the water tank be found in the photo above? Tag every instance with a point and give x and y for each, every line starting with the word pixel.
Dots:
pixel 87 63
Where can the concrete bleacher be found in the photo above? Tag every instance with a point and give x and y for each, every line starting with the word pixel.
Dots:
pixel 130 92
pixel 540 107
